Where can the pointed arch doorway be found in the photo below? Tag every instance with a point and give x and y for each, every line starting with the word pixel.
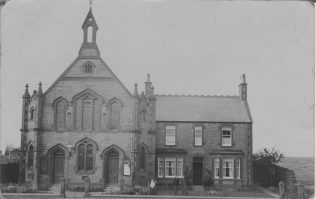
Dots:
pixel 112 167
pixel 58 166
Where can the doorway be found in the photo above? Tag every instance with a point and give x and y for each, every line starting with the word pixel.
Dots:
pixel 197 170
pixel 113 167
pixel 58 166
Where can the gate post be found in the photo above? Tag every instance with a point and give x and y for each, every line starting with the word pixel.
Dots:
pixel 300 191
pixel 281 189
pixel 62 188
pixel 86 186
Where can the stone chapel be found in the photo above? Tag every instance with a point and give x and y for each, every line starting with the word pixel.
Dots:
pixel 88 124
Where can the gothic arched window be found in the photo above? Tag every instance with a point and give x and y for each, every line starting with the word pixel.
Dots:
pixel 30 156
pixel 85 157
pixel 142 158
pixel 32 113
pixel 60 108
pixel 87 116
pixel 114 115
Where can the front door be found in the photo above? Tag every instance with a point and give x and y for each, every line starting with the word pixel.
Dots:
pixel 58 166
pixel 113 165
pixel 197 171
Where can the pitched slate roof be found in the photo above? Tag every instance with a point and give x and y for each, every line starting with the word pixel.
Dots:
pixel 201 108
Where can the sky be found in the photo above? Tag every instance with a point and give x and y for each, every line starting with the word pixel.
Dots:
pixel 189 47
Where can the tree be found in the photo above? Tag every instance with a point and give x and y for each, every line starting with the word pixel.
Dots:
pixel 264 166
pixel 268 157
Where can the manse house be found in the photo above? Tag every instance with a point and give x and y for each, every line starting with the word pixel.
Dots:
pixel 88 124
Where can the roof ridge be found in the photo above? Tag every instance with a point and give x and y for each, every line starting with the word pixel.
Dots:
pixel 190 95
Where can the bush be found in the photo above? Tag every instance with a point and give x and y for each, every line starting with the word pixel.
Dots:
pixel 17 189
pixel 208 179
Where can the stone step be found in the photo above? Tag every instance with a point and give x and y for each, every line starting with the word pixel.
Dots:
pixel 55 188
pixel 112 189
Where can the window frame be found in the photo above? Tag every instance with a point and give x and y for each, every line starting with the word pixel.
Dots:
pixel 217 166
pixel 175 135
pixel 30 164
pixel 176 159
pixel 202 135
pixel 225 129
pixel 237 162
pixel 88 67
pixel 230 168
pixel 32 113
pixel 85 157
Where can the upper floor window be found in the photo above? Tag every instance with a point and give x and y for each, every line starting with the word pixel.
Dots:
pixel 32 114
pixel 226 136
pixel 85 157
pixel 114 115
pixel 170 135
pixel 60 108
pixel 88 67
pixel 30 156
pixel 198 135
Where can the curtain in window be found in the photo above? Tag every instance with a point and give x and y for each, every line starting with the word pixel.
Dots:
pixel 114 115
pixel 228 168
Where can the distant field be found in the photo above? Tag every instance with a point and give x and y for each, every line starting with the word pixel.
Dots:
pixel 303 168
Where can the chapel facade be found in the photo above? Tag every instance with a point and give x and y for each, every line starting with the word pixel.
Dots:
pixel 88 124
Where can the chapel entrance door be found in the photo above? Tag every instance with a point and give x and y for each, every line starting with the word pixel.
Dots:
pixel 197 170
pixel 58 166
pixel 113 165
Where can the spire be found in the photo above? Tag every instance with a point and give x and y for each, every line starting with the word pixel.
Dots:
pixel 26 93
pixel 40 92
pixel 89 46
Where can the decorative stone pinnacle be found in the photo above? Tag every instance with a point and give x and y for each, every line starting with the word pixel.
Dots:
pixel 40 92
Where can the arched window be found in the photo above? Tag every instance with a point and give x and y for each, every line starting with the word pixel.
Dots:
pixel 89 34
pixel 87 113
pixel 85 157
pixel 88 67
pixel 114 115
pixel 142 158
pixel 60 115
pixel 32 113
pixel 30 156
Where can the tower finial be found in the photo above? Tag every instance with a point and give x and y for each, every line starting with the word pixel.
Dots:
pixel 26 93
pixel 40 92
pixel 90 2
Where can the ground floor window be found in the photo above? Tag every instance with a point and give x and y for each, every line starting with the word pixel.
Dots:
pixel 229 167
pixel 170 167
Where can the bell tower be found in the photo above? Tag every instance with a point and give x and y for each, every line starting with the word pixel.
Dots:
pixel 89 46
